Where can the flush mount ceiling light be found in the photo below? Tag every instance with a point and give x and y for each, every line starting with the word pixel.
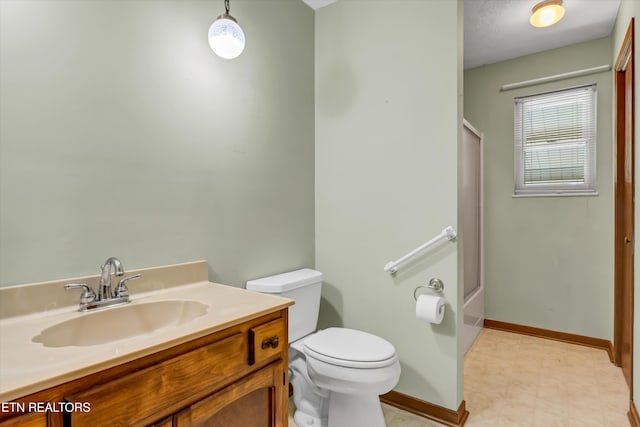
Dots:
pixel 546 13
pixel 226 38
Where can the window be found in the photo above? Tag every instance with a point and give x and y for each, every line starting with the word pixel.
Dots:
pixel 555 142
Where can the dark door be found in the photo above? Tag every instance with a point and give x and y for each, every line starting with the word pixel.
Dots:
pixel 624 206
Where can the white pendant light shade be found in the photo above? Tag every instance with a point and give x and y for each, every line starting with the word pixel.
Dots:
pixel 546 13
pixel 226 38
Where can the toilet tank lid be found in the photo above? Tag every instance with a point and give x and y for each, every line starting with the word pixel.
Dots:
pixel 285 281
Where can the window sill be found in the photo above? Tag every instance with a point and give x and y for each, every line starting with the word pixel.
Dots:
pixel 567 194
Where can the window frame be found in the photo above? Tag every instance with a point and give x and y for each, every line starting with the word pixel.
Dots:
pixel 588 187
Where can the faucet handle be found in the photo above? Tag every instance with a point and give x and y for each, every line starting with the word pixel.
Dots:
pixel 122 290
pixel 87 294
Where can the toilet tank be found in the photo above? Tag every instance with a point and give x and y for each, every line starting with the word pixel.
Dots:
pixel 303 286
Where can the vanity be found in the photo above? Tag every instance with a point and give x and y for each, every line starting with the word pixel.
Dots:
pixel 219 357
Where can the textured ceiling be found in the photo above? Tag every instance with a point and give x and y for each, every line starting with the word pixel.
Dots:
pixel 497 30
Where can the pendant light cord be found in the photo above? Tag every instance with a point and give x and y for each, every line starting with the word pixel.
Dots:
pixel 226 6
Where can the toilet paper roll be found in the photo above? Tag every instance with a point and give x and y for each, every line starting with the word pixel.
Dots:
pixel 430 308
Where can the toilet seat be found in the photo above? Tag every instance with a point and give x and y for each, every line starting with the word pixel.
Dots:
pixel 350 348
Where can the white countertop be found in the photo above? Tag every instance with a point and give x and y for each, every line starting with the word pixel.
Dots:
pixel 27 367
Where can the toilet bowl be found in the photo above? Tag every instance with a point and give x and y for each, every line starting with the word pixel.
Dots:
pixel 337 374
pixel 355 367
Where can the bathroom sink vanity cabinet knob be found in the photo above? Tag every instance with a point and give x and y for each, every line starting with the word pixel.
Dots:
pixel 235 377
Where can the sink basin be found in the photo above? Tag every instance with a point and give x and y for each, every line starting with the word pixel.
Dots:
pixel 120 322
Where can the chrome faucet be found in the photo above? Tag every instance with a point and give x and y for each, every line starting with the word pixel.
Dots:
pixel 111 266
pixel 106 296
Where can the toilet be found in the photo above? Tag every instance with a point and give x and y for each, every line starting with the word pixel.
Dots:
pixel 337 373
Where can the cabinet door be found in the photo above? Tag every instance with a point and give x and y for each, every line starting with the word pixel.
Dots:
pixel 254 401
pixel 167 422
pixel 27 420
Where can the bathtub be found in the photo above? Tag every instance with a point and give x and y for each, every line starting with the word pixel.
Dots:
pixel 473 317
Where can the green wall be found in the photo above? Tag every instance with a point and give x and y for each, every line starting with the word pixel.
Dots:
pixel 631 9
pixel 388 127
pixel 548 260
pixel 124 135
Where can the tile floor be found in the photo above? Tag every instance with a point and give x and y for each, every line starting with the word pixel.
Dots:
pixel 514 380
pixel 517 380
pixel 393 416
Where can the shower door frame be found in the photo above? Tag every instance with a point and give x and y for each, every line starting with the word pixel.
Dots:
pixel 476 298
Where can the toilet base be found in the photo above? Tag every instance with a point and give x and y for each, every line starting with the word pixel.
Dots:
pixel 348 410
pixel 305 420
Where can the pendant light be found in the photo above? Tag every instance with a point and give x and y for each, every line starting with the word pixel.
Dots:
pixel 546 13
pixel 226 38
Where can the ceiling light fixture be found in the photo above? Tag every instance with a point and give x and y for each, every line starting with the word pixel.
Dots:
pixel 226 38
pixel 546 13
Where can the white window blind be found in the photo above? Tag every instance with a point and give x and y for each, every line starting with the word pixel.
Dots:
pixel 555 142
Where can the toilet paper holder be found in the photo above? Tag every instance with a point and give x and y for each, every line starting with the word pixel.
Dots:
pixel 435 285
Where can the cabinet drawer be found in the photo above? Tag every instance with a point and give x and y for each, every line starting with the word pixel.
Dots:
pixel 145 395
pixel 267 340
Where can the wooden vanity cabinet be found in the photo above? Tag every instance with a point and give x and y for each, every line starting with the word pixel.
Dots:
pixel 27 420
pixel 234 377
